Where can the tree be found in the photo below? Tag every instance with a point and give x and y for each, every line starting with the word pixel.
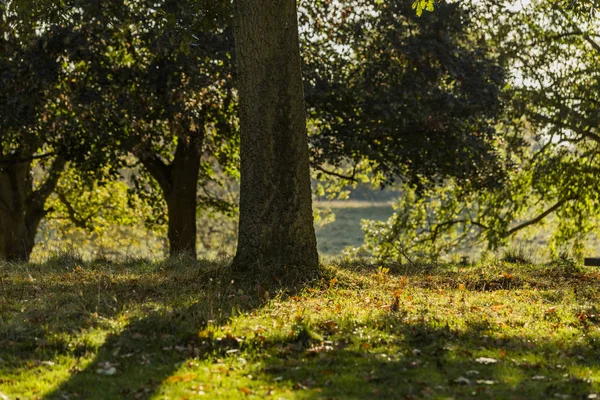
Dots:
pixel 551 51
pixel 153 81
pixel 416 97
pixel 33 130
pixel 276 220
pixel 178 89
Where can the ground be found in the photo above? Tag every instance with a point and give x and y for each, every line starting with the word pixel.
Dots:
pixel 187 330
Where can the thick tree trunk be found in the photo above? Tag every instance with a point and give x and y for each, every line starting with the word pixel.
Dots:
pixel 17 236
pixel 276 221
pixel 20 213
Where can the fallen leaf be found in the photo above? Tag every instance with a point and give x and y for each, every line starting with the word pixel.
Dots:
pixel 181 378
pixel 109 371
pixel 319 349
pixel 461 380
pixel 551 310
pixel 106 368
pixel 246 391
pixel 486 360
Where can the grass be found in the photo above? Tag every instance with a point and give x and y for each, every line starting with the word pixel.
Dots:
pixel 346 231
pixel 187 330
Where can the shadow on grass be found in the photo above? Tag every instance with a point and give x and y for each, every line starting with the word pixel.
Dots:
pixel 135 362
pixel 419 361
pixel 152 314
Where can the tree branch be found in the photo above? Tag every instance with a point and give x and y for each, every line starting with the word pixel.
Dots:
pixel 11 161
pixel 72 213
pixel 155 166
pixel 454 222
pixel 38 197
pixel 539 217
pixel 336 174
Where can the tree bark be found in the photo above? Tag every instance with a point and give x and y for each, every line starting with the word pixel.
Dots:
pixel 181 199
pixel 178 182
pixel 22 207
pixel 276 221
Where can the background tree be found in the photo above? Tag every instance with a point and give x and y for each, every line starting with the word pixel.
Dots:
pixel 35 127
pixel 169 100
pixel 154 81
pixel 551 53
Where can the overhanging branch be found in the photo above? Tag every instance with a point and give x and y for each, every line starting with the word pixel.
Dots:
pixel 540 217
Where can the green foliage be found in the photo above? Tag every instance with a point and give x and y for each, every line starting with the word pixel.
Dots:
pixel 102 217
pixel 420 5
pixel 410 99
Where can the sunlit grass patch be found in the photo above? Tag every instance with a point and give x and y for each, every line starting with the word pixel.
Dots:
pixel 190 329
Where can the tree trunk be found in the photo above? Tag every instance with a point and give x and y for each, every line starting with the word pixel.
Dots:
pixel 178 182
pixel 20 213
pixel 276 221
pixel 181 202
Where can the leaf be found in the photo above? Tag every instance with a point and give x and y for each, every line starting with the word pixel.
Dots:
pixel 486 360
pixel 181 378
pixel 246 391
pixel 108 372
pixel 461 380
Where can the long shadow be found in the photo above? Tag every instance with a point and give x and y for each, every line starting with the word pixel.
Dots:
pixel 51 313
pixel 135 362
pixel 437 362
pixel 40 312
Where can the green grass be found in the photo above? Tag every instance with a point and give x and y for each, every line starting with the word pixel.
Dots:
pixel 187 330
pixel 346 231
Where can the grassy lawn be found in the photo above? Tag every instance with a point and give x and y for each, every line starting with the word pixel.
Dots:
pixel 186 330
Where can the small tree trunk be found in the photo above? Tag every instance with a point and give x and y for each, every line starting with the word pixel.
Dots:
pixel 276 221
pixel 181 205
pixel 178 182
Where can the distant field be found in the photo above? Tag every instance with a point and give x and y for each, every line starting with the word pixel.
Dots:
pixel 345 231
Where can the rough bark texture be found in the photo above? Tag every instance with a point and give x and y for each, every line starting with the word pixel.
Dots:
pixel 276 221
pixel 22 208
pixel 178 182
